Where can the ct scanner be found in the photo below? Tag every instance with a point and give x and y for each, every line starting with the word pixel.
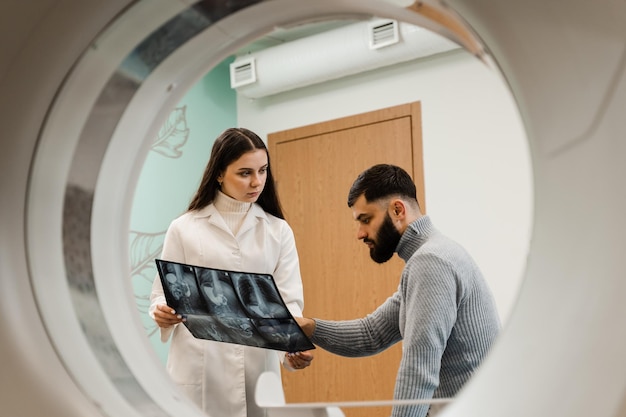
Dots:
pixel 71 73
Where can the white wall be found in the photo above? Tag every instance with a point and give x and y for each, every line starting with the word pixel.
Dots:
pixel 476 161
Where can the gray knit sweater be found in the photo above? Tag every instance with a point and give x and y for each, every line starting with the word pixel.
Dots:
pixel 443 312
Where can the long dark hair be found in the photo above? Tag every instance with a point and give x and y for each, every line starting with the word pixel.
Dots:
pixel 228 147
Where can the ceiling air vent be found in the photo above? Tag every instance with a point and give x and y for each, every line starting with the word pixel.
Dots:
pixel 383 33
pixel 242 72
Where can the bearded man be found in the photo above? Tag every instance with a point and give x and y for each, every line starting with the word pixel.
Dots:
pixel 443 311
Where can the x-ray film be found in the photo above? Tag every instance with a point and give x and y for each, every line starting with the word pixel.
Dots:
pixel 232 307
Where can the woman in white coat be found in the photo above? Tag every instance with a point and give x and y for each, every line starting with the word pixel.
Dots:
pixel 233 222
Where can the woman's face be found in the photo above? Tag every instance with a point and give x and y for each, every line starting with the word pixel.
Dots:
pixel 244 179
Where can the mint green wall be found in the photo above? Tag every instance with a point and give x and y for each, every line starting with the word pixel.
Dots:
pixel 170 176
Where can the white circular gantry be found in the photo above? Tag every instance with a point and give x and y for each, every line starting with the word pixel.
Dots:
pixel 83 85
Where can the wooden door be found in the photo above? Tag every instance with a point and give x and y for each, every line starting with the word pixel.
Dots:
pixel 314 167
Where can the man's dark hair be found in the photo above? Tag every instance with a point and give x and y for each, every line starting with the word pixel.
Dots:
pixel 381 181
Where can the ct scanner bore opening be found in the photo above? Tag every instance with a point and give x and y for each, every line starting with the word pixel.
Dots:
pixel 120 90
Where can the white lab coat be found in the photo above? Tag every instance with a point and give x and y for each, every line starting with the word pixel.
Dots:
pixel 220 377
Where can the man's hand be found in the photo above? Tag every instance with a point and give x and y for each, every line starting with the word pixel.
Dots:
pixel 308 325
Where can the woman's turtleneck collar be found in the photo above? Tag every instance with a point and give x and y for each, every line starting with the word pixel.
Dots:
pixel 227 204
pixel 414 236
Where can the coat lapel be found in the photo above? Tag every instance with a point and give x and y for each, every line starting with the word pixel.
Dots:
pixel 213 218
pixel 255 215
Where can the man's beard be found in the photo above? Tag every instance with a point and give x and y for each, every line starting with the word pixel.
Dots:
pixel 386 242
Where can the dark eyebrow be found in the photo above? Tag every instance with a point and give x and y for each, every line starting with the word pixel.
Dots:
pixel 361 216
pixel 252 169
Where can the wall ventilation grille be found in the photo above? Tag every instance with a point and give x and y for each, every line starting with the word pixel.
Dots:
pixel 383 33
pixel 331 55
pixel 242 72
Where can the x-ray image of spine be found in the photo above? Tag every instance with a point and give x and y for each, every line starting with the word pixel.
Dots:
pixel 182 286
pixel 218 293
pixel 227 322
pixel 259 296
pixel 226 329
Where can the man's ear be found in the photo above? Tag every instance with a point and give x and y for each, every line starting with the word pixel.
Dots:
pixel 397 208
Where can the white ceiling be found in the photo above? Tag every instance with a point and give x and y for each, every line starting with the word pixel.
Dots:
pixel 282 35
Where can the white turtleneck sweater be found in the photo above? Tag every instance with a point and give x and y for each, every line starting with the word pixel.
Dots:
pixel 233 211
